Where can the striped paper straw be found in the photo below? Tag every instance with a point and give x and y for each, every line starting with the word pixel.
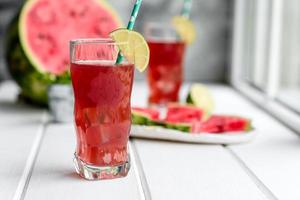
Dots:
pixel 187 6
pixel 134 14
pixel 131 23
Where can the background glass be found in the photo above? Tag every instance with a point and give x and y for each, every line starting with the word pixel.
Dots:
pixel 165 72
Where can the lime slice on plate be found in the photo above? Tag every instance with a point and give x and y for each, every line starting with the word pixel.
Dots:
pixel 133 46
pixel 200 96
pixel 185 29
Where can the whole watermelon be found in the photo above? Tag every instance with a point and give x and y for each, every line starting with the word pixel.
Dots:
pixel 37 48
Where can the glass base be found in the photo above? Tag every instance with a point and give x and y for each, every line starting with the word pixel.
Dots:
pixel 92 172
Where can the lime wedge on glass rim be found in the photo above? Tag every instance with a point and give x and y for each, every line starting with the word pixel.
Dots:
pixel 185 28
pixel 133 46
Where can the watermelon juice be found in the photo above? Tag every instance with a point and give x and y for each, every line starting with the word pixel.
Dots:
pixel 165 72
pixel 102 111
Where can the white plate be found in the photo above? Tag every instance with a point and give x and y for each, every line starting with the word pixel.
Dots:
pixel 159 133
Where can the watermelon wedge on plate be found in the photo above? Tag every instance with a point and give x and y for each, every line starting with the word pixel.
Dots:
pixel 159 133
pixel 143 116
pixel 183 113
pixel 185 123
pixel 37 48
pixel 223 123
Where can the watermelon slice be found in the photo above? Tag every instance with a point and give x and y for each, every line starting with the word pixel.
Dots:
pixel 189 119
pixel 149 112
pixel 222 123
pixel 183 113
pixel 181 117
pixel 144 116
pixel 37 49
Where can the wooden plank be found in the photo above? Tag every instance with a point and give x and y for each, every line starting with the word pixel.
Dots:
pixel 270 159
pixel 191 171
pixel 19 128
pixel 273 156
pixel 54 175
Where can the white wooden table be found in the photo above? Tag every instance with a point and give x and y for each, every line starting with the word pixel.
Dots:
pixel 36 159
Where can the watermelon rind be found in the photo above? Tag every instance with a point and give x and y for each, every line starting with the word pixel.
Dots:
pixel 249 126
pixel 152 122
pixel 184 127
pixel 23 35
pixel 139 118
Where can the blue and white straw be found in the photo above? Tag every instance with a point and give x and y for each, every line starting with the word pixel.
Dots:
pixel 134 14
pixel 131 23
pixel 187 7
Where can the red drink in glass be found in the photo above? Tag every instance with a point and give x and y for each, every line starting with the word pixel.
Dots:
pixel 102 111
pixel 165 72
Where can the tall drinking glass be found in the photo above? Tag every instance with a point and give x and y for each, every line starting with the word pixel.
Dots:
pixel 165 71
pixel 102 111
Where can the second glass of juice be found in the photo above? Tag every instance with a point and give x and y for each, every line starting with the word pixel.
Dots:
pixel 102 112
pixel 165 71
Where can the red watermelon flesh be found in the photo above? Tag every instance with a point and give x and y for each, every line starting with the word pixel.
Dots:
pixel 47 27
pixel 149 112
pixel 221 124
pixel 183 114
